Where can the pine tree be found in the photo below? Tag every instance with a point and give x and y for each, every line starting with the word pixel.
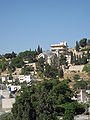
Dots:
pixel 71 57
pixel 77 46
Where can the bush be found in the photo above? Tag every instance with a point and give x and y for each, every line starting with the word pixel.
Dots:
pixel 76 77
pixel 86 68
pixel 44 101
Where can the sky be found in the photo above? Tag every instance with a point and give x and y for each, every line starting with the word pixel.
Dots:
pixel 25 24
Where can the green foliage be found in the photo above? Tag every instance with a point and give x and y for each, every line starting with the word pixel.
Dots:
pixel 28 55
pixel 6 116
pixel 83 42
pixel 39 49
pixel 44 101
pixel 86 68
pixel 77 46
pixel 61 73
pixel 62 60
pixel 41 75
pixel 50 71
pixel 26 70
pixel 84 60
pixel 17 82
pixel 76 77
pixel 3 64
pixel 80 84
pixel 23 108
pixel 40 64
pixel 72 109
pixel 81 60
pixel 17 62
pixel 78 60
pixel 11 68
pixel 74 59
pixel 10 55
pixel 13 54
pixel 71 53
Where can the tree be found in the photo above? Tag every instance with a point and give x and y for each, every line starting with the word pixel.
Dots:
pixel 6 116
pixel 72 109
pixel 50 71
pixel 28 55
pixel 11 68
pixel 83 60
pixel 77 46
pixel 83 42
pixel 8 55
pixel 76 77
pixel 17 62
pixel 80 84
pixel 79 60
pixel 71 57
pixel 61 73
pixel 69 114
pixel 3 64
pixel 13 54
pixel 74 59
pixel 23 108
pixel 62 60
pixel 86 68
pixel 88 53
pixel 40 64
pixel 44 101
pixel 39 49
pixel 26 70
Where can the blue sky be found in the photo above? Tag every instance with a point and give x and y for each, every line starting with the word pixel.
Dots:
pixel 26 23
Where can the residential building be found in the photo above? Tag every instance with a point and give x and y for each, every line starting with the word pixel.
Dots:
pixel 60 48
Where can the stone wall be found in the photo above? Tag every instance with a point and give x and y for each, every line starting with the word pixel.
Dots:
pixel 76 68
pixel 7 103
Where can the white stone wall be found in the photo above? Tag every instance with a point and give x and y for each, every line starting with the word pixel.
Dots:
pixel 76 68
pixel 7 103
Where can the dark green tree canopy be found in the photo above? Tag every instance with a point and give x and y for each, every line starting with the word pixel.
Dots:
pixel 45 101
pixel 86 68
pixel 39 49
pixel 83 42
pixel 28 55
pixel 61 73
pixel 80 84
pixel 77 46
pixel 17 62
pixel 40 64
pixel 10 55
pixel 26 70
pixel 62 60
pixel 50 71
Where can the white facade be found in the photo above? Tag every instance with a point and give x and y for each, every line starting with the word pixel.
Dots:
pixel 27 78
pixel 61 48
pixel 4 79
pixel 41 55
pixel 24 78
